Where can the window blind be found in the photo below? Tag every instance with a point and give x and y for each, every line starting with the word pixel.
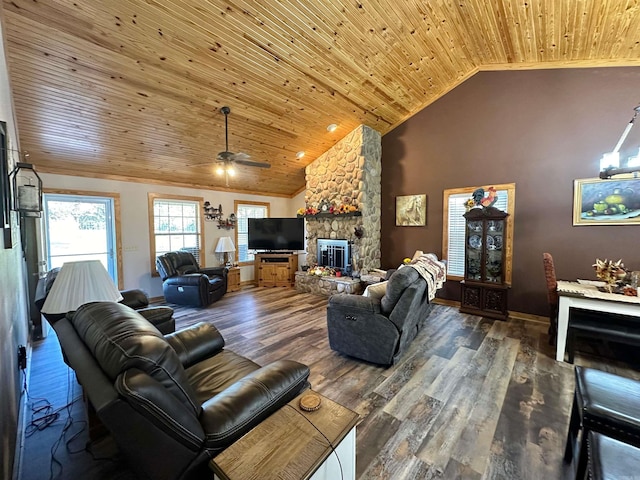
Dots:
pixel 456 232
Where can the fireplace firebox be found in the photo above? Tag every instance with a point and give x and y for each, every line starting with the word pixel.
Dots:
pixel 334 254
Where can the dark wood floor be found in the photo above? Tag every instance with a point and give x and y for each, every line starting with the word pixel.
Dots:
pixel 472 398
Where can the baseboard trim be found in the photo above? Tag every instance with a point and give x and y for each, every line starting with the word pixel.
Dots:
pixel 528 317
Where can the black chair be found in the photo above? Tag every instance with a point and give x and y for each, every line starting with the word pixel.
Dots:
pixel 552 295
pixel 609 458
pixel 185 283
pixel 159 317
pixel 170 402
pixel 603 403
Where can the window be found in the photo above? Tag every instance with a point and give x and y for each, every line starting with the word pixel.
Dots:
pixel 453 224
pixel 176 224
pixel 245 210
pixel 82 225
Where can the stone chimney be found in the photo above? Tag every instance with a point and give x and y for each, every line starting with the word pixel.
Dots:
pixel 349 171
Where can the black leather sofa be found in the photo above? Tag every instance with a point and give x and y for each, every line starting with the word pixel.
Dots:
pixel 185 283
pixel 171 403
pixel 160 317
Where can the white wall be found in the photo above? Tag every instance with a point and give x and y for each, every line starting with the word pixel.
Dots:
pixel 14 310
pixel 135 223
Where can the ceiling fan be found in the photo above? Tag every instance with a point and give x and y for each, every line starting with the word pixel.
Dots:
pixel 227 159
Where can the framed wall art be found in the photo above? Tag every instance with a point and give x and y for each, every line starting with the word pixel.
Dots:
pixel 606 202
pixel 411 210
pixel 5 188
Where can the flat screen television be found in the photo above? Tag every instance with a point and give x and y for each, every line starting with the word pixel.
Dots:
pixel 274 234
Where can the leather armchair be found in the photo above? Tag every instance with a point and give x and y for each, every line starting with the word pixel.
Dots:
pixel 171 403
pixel 185 283
pixel 160 317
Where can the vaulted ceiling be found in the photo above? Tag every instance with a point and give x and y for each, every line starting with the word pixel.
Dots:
pixel 132 89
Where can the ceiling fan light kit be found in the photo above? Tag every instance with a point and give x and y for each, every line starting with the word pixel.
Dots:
pixel 227 160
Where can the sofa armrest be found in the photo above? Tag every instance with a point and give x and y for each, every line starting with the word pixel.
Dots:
pixel 149 397
pixel 196 343
pixel 214 271
pixel 233 412
pixel 160 317
pixel 357 303
pixel 134 298
pixel 188 280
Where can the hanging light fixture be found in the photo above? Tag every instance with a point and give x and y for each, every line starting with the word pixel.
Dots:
pixel 610 162
pixel 27 189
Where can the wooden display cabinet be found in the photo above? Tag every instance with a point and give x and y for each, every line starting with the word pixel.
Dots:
pixel 276 269
pixel 484 290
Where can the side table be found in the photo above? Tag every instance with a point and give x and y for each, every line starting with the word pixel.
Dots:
pixel 291 444
pixel 233 279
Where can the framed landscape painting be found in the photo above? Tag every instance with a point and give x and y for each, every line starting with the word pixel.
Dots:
pixel 411 210
pixel 606 202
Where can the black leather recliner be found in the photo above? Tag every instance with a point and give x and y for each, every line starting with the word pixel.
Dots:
pixel 185 283
pixel 160 317
pixel 171 403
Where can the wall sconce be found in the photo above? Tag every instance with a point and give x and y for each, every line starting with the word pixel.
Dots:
pixel 212 213
pixel 27 190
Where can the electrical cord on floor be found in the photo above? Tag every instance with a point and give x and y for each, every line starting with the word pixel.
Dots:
pixel 333 450
pixel 68 424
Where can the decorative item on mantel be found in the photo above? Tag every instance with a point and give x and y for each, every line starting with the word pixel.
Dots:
pixel 320 271
pixel 329 209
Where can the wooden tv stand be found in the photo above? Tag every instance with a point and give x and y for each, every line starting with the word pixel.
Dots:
pixel 275 269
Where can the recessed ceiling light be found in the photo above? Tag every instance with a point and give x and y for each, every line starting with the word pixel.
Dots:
pixel 332 127
pixel 300 154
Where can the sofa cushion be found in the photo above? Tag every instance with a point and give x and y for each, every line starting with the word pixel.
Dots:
pixel 119 338
pixel 215 374
pixel 399 281
pixel 376 290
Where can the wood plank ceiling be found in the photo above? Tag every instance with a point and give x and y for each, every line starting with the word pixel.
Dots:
pixel 132 89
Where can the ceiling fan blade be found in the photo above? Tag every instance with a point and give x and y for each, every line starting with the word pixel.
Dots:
pixel 240 156
pixel 249 163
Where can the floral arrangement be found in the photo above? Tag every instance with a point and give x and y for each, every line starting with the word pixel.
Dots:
pixel 320 271
pixel 346 206
pixel 610 272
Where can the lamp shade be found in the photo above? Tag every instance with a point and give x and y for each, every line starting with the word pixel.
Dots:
pixel 225 245
pixel 78 283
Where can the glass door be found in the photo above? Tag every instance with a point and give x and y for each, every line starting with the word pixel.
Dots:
pixel 78 227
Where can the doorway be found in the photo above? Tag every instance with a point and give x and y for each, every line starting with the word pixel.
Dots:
pixel 80 227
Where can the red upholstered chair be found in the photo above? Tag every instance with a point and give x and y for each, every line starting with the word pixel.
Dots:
pixel 552 295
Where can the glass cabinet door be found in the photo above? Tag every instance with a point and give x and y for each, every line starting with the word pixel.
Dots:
pixel 474 250
pixel 494 259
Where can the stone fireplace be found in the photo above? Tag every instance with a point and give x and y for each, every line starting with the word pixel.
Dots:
pixel 349 172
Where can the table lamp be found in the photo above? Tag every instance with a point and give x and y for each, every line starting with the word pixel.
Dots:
pixel 78 283
pixel 225 246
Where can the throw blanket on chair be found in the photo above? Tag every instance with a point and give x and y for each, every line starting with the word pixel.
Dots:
pixel 432 270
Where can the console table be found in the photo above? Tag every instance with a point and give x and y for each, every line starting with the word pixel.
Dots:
pixel 588 297
pixel 289 445
pixel 275 269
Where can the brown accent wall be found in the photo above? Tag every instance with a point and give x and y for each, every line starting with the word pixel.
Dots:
pixel 540 129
